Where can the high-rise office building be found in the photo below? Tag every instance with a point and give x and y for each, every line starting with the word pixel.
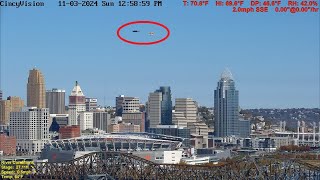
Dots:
pixel 101 120
pixel 154 109
pixel 36 92
pixel 166 105
pixel 30 127
pixel 1 95
pixel 160 107
pixel 127 105
pixel 91 104
pixel 226 107
pixel 12 104
pixel 186 110
pixel 76 105
pixel 55 101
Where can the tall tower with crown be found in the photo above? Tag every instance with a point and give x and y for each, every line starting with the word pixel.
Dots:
pixel 77 104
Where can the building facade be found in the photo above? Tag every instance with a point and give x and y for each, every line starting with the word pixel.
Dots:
pixel 199 134
pixel 119 102
pixel 12 104
pixel 127 105
pixel 67 132
pixel 186 110
pixel 166 105
pixel 55 101
pixel 101 120
pixel 76 105
pixel 36 91
pixel 123 127
pixel 8 144
pixel 173 130
pixel 154 109
pixel 160 107
pixel 86 120
pixel 244 128
pixel 91 104
pixel 30 127
pixel 226 108
pixel 161 157
pixel 179 119
pixel 58 120
pixel 136 118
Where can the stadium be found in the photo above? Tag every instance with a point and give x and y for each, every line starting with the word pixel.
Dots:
pixel 67 149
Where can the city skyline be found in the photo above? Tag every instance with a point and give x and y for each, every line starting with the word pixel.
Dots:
pixel 275 61
pixel 191 89
pixel 143 98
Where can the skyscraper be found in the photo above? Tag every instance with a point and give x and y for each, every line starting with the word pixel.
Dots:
pixel 30 127
pixel 76 105
pixel 160 107
pixel 226 107
pixel 166 105
pixel 55 101
pixel 1 95
pixel 36 92
pixel 154 109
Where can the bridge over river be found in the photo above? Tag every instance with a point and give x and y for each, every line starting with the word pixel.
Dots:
pixel 117 165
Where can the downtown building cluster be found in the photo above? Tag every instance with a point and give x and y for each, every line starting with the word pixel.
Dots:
pixel 46 116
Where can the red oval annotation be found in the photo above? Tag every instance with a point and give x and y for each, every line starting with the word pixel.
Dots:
pixel 143 22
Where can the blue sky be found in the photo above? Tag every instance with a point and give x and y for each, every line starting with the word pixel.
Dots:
pixel 274 58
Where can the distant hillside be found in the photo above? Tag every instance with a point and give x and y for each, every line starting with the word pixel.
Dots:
pixel 291 116
pixel 271 116
pixel 206 115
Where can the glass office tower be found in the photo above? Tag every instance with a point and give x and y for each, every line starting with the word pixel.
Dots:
pixel 226 105
pixel 166 105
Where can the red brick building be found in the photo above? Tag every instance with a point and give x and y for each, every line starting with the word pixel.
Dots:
pixel 8 144
pixel 67 132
